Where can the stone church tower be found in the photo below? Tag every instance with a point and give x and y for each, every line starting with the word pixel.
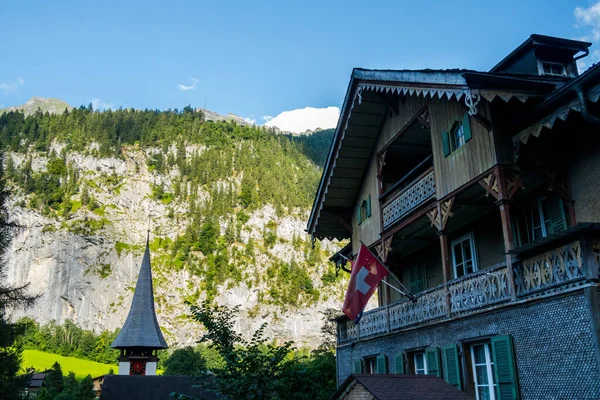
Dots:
pixel 140 337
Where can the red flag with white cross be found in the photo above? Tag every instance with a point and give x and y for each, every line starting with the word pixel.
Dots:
pixel 367 272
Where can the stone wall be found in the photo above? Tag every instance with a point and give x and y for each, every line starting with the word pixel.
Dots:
pixel 585 185
pixel 554 345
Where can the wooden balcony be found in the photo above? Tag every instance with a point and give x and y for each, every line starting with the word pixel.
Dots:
pixel 465 295
pixel 565 267
pixel 399 204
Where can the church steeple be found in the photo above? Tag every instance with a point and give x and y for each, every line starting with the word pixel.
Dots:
pixel 141 336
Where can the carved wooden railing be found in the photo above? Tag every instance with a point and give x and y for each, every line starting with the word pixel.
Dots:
pixel 406 200
pixel 556 267
pixel 347 330
pixel 429 305
pixel 373 322
pixel 550 272
pixel 483 288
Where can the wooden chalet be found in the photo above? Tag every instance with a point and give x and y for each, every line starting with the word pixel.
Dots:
pixel 480 192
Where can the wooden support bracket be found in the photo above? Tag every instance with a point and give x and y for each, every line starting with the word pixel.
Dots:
pixel 383 248
pixel 440 214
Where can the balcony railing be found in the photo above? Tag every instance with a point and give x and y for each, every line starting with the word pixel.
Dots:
pixel 559 266
pixel 564 267
pixel 464 295
pixel 483 288
pixel 409 198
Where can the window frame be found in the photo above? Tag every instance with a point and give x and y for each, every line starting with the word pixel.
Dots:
pixel 424 369
pixel 370 364
pixel 551 64
pixel 489 365
pixel 457 142
pixel 471 237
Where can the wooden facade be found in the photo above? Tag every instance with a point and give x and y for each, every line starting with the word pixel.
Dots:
pixel 480 202
pixel 468 162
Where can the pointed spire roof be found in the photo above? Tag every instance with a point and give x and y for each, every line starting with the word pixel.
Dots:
pixel 141 327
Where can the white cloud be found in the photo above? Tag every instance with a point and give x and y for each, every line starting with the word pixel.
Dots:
pixel 589 19
pixel 7 87
pixel 189 87
pixel 99 104
pixel 302 119
pixel 250 120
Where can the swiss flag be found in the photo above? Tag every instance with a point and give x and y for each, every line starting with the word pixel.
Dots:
pixel 366 274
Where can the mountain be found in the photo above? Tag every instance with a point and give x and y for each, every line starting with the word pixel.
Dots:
pixel 213 116
pixel 226 204
pixel 51 105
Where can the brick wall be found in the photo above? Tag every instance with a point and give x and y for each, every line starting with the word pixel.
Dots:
pixel 555 354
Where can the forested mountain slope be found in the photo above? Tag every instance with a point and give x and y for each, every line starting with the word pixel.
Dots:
pixel 226 206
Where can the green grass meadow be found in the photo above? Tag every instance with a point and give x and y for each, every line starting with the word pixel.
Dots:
pixel 41 360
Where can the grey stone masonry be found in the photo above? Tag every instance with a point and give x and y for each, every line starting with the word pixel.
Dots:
pixel 554 338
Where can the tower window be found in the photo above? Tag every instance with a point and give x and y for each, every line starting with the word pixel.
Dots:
pixel 553 69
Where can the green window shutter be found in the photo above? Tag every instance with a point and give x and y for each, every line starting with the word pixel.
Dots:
pixel 381 364
pixel 467 127
pixel 399 361
pixel 432 355
pixel 504 368
pixel 359 215
pixel 417 278
pixel 357 369
pixel 368 208
pixel 451 366
pixel 556 214
pixel 446 143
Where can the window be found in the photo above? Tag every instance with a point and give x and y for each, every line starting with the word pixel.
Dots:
pixel 459 134
pixel 364 210
pixel 541 218
pixel 417 278
pixel 464 255
pixel 492 372
pixel 553 69
pixel 457 137
pixel 371 365
pixel 420 363
pixel 484 378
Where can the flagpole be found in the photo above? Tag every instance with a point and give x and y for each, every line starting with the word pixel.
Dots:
pixel 404 293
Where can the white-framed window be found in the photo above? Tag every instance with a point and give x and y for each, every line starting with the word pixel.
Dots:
pixel 420 363
pixel 483 371
pixel 457 136
pixel 370 365
pixel 553 69
pixel 364 210
pixel 539 219
pixel 464 256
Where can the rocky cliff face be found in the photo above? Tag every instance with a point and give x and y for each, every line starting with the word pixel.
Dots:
pixel 87 262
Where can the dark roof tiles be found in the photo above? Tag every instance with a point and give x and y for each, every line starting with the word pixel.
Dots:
pixel 404 387
pixel 132 387
pixel 141 327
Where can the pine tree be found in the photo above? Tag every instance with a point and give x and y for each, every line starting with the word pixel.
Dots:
pixel 10 297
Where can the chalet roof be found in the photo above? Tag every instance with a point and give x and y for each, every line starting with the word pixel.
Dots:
pixel 403 387
pixel 365 105
pixel 571 46
pixel 558 105
pixel 141 327
pixel 158 387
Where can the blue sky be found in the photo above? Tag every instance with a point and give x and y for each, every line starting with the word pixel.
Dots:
pixel 253 58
